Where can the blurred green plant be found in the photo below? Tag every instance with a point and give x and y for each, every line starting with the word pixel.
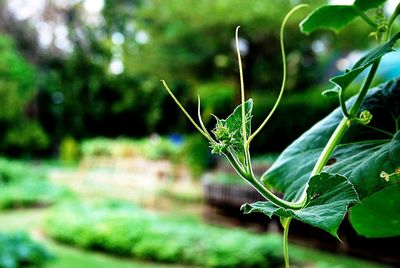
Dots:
pixel 328 168
pixel 130 231
pixel 69 150
pixel 21 131
pixel 224 178
pixel 76 94
pixel 190 150
pixel 22 185
pixel 196 155
pixel 30 193
pixel 17 250
pixel 154 148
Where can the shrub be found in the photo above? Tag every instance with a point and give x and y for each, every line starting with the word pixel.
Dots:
pixel 196 155
pixel 69 150
pixel 130 231
pixel 30 193
pixel 18 250
pixel 26 186
pixel 20 132
pixel 12 171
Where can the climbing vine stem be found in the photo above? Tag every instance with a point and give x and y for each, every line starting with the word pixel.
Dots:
pixel 341 129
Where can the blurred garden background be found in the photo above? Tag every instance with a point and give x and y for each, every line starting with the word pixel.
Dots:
pixel 99 168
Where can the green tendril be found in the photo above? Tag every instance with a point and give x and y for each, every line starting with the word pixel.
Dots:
pixel 365 117
pixel 386 176
pixel 284 75
pixel 199 116
pixel 204 133
pixel 241 85
pixel 342 102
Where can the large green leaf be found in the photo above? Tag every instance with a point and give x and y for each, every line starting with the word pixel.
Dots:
pixel 336 17
pixel 378 214
pixel 368 4
pixel 329 196
pixel 344 80
pixel 362 155
pixel 326 17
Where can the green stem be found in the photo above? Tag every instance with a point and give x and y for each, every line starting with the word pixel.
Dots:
pixel 330 146
pixel 341 129
pixel 250 178
pixel 345 123
pixel 286 223
pixel 364 90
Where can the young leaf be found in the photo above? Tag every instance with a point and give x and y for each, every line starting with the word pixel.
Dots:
pixel 329 196
pixel 378 214
pixel 344 80
pixel 229 131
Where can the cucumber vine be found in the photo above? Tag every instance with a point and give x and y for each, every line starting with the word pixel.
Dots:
pixel 315 193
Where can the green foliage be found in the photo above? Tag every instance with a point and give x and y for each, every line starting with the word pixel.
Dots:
pixel 363 154
pixel 216 98
pixel 191 150
pixel 18 250
pixel 69 150
pixel 130 231
pixel 30 193
pixel 26 135
pixel 13 171
pixel 20 130
pixel 195 154
pixel 328 196
pixel 368 4
pixel 333 164
pixel 326 17
pixel 377 215
pixel 22 185
pixel 363 149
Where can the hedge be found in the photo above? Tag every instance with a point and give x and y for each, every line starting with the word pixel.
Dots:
pixel 129 231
